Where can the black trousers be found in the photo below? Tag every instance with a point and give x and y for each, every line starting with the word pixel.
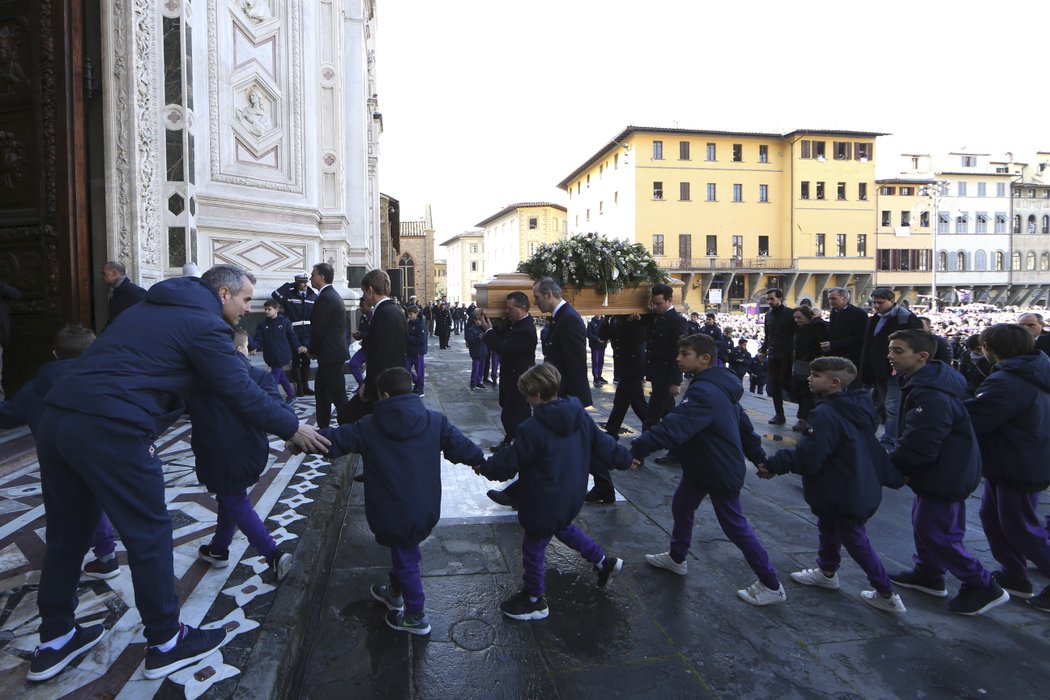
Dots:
pixel 301 371
pixel 330 387
pixel 515 410
pixel 660 403
pixel 629 394
pixel 779 381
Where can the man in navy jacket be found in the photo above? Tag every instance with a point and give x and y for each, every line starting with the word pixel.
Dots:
pixel 566 343
pixel 96 450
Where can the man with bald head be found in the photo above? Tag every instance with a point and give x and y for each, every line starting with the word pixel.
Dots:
pixel 1033 323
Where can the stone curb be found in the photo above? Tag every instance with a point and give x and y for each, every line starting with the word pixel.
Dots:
pixel 283 635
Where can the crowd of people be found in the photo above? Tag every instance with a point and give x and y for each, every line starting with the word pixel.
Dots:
pixel 960 395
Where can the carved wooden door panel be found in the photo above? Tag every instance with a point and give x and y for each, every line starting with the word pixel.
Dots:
pixel 43 217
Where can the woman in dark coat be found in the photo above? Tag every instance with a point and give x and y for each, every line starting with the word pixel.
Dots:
pixel 811 332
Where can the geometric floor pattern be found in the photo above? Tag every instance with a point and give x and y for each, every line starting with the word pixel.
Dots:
pixel 235 597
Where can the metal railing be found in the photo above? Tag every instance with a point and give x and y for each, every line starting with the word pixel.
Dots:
pixel 714 263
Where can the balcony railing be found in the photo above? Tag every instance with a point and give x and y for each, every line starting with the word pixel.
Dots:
pixel 712 263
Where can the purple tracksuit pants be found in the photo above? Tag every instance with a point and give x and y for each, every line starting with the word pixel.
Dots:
pixel 1015 532
pixel 235 511
pixel 938 530
pixel 836 534
pixel 534 555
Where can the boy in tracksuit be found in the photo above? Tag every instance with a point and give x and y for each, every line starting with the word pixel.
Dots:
pixel 416 348
pixel 843 467
pixel 25 408
pixel 711 433
pixel 938 453
pixel 1011 416
pixel 279 343
pixel 401 444
pixel 551 454
pixel 479 351
pixel 230 455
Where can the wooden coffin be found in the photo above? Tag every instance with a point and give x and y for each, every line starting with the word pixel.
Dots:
pixel 492 293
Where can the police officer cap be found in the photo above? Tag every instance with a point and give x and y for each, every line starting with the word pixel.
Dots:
pixel 302 278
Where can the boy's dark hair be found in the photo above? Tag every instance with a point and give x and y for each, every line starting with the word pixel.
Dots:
pixel 742 341
pixel 974 342
pixel 73 339
pixel 412 309
pixel 884 293
pixel 394 381
pixel 710 316
pixel 663 290
pixel 778 293
pixel 519 299
pixel 272 304
pixel 838 367
pixel 1007 340
pixel 540 380
pixel 918 341
pixel 699 343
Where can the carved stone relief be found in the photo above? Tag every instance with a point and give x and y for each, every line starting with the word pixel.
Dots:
pixel 12 75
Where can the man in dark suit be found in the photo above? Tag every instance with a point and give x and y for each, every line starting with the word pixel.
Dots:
pixel 566 343
pixel 846 327
pixel 385 343
pixel 874 368
pixel 123 293
pixel 777 346
pixel 298 300
pixel 1033 323
pixel 664 328
pixel 328 344
pixel 515 341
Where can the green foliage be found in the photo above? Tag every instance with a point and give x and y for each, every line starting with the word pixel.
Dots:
pixel 589 260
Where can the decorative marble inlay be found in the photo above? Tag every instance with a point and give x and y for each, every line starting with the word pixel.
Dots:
pixel 249 590
pixel 263 52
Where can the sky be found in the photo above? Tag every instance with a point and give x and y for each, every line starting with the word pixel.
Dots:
pixel 489 102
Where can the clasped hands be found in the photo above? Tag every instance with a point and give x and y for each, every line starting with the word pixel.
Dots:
pixel 308 440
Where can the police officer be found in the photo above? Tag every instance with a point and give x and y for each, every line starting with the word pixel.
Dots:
pixel 298 299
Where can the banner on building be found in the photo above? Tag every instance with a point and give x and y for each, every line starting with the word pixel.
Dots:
pixel 714 295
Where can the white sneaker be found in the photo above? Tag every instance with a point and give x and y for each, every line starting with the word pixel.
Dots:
pixel 816 577
pixel 893 604
pixel 663 560
pixel 758 594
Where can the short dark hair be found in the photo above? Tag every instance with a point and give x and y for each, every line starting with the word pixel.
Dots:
pixel 327 273
pixel 884 293
pixel 394 381
pixel 377 280
pixel 412 309
pixel 806 311
pixel 1007 340
pixel 272 304
pixel 710 316
pixel 663 290
pixel 838 367
pixel 73 339
pixel 917 340
pixel 778 293
pixel 519 299
pixel 699 343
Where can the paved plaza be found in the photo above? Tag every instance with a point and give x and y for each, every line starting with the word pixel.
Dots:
pixel 650 634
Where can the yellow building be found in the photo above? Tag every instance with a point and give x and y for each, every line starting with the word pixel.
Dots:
pixel 465 263
pixel 904 237
pixel 737 212
pixel 516 231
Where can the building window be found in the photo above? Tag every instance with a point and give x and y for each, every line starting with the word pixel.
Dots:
pixel 658 244
pixel 1044 262
pixel 942 261
pixel 601 207
pixel 862 245
pixel 905 218
pixel 887 217
pixel 534 223
pixel 685 249
pixel 907 191
pixel 738 247
pixel 962 223
pixel 840 245
pixel 942 222
pixel 843 150
pixel 887 190
pixel 588 181
pixel 924 219
pixel 962 189
pixel 960 261
pixel 981 225
pixel 658 190
pixel 408 275
pixel 980 261
pixel 738 152
pixel 806 150
pixel 658 150
pixel 862 191
pixel 616 162
pixel 841 191
pixel 1046 224
pixel 805 189
pixel 763 154
pixel 1017 223
pixel 1029 261
pixel 982 189
pixel 969 161
pixel 999 260
pixel 588 212
pixel 473 247
pixel 683 150
pixel 711 152
pixel 1015 261
pixel 533 245
pixel 813 149
pixel 738 193
pixel 1000 222
pixel 1000 189
pixel 763 246
pixel 712 245
pixel 683 191
pixel 1031 223
pixel 616 198
pixel 473 265
pixel 820 190
pixel 819 252
pixel 763 193
pixel 712 192
pixel 862 151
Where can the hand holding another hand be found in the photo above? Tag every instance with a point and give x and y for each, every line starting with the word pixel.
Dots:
pixel 308 440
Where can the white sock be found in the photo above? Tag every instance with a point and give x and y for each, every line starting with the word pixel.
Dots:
pixel 533 599
pixel 168 645
pixel 59 642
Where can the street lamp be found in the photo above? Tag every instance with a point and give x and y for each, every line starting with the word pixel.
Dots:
pixel 935 191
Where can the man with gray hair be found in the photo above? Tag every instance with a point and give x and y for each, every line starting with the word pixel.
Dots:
pixel 122 293
pixel 846 327
pixel 95 444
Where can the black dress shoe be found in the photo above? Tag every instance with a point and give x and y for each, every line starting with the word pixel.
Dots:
pixel 668 459
pixel 596 496
pixel 777 420
pixel 360 478
pixel 501 498
pixel 308 392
